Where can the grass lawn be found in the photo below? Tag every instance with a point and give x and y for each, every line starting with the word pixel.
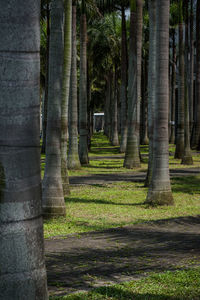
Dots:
pixel 98 207
pixel 101 206
pixel 178 285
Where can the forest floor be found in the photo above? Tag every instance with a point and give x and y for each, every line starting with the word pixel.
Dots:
pixel 110 236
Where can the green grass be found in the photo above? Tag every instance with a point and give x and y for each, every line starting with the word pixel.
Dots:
pixel 178 285
pixel 98 207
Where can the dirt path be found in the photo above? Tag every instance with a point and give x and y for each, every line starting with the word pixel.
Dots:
pixel 81 262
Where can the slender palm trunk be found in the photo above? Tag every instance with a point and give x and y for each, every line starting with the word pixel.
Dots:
pixel 144 103
pixel 124 82
pixel 83 126
pixel 151 85
pixel 180 126
pixel 173 91
pixel 53 200
pixel 44 104
pixel 114 138
pixel 132 158
pixel 159 192
pixel 191 86
pixel 73 157
pixel 197 101
pixel 22 267
pixel 187 157
pixel 65 94
pixel 107 129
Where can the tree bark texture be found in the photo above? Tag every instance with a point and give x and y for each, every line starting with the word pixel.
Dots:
pixel 124 83
pixel 83 126
pixel 53 200
pixel 114 138
pixel 65 94
pixel 151 85
pixel 159 192
pixel 197 89
pixel 44 104
pixel 187 157
pixel 132 158
pixel 22 267
pixel 173 91
pixel 180 126
pixel 73 157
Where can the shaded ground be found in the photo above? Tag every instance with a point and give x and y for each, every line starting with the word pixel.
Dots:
pixel 81 262
pixel 131 176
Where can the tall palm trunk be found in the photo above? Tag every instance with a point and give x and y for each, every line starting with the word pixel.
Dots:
pixel 73 157
pixel 132 158
pixel 65 94
pixel 22 267
pixel 107 129
pixel 187 157
pixel 151 85
pixel 53 200
pixel 159 192
pixel 83 126
pixel 44 104
pixel 197 100
pixel 124 82
pixel 114 137
pixel 173 90
pixel 144 103
pixel 180 126
pixel 191 86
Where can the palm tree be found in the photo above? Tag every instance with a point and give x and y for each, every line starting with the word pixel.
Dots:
pixel 191 86
pixel 124 82
pixel 65 94
pixel 45 98
pixel 22 267
pixel 114 109
pixel 83 126
pixel 151 85
pixel 132 158
pixel 180 126
pixel 53 199
pixel 73 158
pixel 173 88
pixel 159 192
pixel 187 157
pixel 197 86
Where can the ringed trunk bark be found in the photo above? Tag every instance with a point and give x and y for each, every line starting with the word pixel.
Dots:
pixel 159 192
pixel 22 266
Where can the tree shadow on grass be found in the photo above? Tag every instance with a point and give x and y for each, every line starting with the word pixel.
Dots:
pixel 98 201
pixel 122 254
pixel 186 184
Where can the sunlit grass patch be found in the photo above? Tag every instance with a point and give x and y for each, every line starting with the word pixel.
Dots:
pixel 178 285
pixel 99 207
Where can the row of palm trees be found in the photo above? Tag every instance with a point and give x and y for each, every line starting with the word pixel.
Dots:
pixel 22 269
pixel 129 79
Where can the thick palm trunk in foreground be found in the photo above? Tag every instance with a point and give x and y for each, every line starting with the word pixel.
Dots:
pixel 159 192
pixel 73 157
pixel 65 94
pixel 22 268
pixel 53 200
